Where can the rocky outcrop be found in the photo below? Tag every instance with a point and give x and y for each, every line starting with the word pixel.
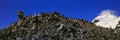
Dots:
pixel 53 26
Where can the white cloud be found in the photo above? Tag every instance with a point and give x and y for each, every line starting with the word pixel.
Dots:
pixel 107 19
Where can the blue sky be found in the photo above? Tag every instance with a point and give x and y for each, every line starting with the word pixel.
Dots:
pixel 83 9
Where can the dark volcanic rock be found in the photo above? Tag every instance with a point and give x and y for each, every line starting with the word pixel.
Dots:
pixel 56 27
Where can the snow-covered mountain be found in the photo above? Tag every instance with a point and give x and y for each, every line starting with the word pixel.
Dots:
pixel 107 19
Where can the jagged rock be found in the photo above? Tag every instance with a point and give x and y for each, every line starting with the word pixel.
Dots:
pixel 20 15
pixel 56 27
